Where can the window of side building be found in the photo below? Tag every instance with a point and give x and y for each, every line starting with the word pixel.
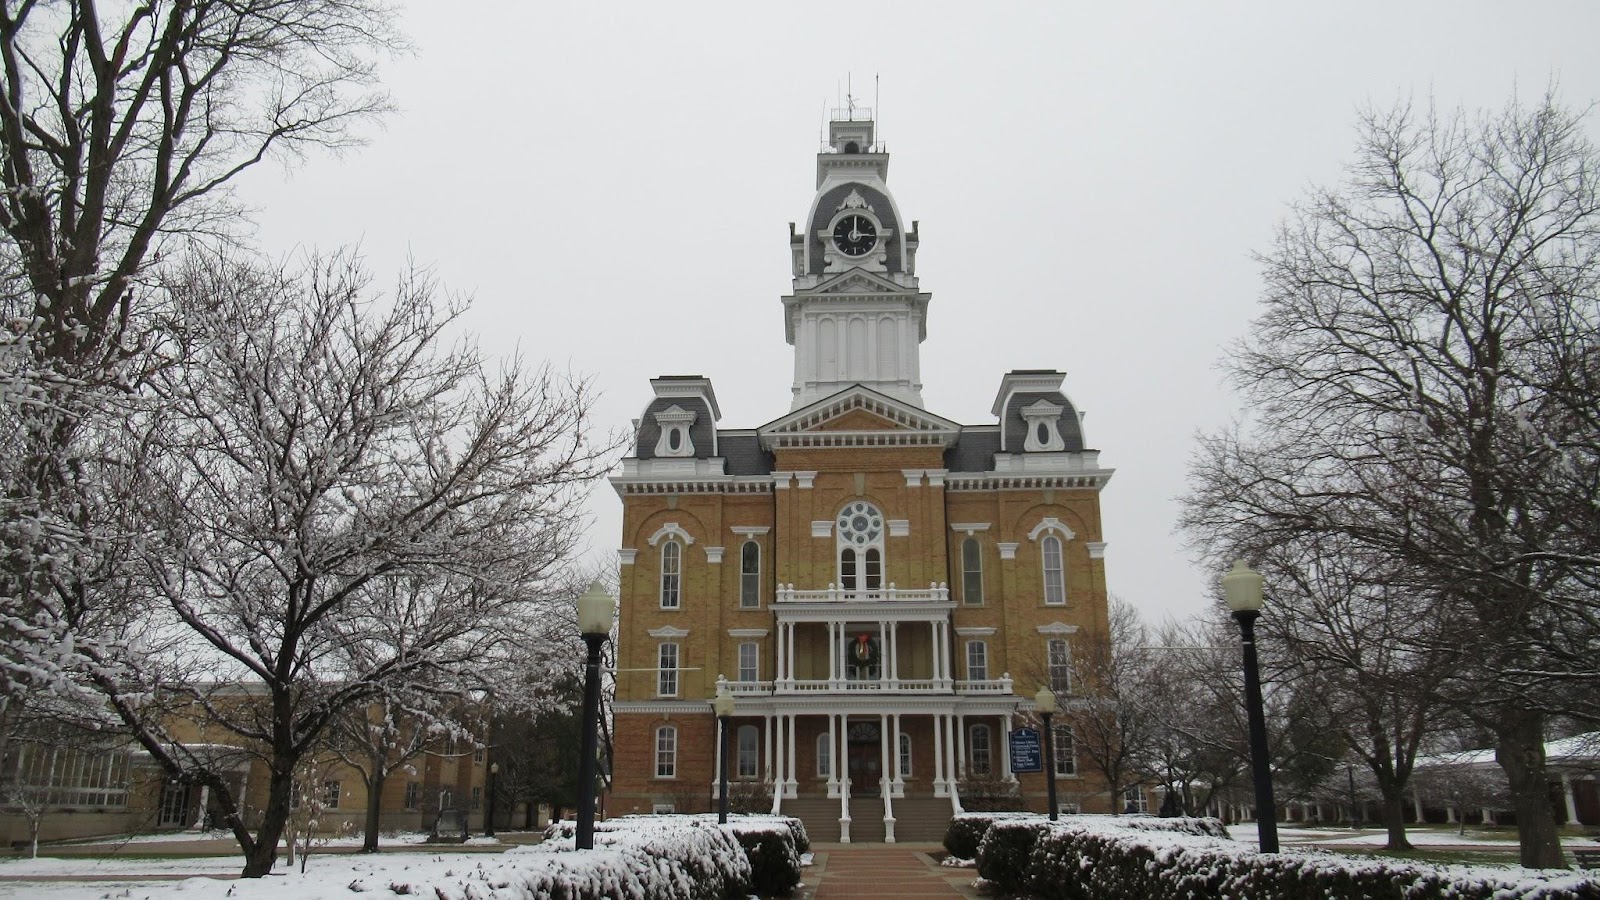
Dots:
pixel 977 661
pixel 749 661
pixel 1059 657
pixel 971 571
pixel 667 671
pixel 667 751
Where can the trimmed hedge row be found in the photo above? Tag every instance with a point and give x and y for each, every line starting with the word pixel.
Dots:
pixel 966 830
pixel 691 860
pixel 772 844
pixel 1116 860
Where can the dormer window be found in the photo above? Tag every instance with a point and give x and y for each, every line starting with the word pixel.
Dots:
pixel 1044 432
pixel 675 440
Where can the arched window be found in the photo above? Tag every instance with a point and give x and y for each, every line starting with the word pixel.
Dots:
pixel 671 574
pixel 905 755
pixel 749 760
pixel 979 756
pixel 750 575
pixel 667 751
pixel 971 571
pixel 1055 585
pixel 824 755
pixel 860 543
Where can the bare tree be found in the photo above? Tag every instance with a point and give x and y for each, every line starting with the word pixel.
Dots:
pixel 1418 382
pixel 318 447
pixel 122 128
pixel 383 736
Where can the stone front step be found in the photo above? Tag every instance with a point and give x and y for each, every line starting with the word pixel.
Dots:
pixel 916 818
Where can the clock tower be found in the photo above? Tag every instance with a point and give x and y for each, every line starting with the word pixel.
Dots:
pixel 856 315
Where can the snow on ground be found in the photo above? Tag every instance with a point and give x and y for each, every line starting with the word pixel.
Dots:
pixel 1376 837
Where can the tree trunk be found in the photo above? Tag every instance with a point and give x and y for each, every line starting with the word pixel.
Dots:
pixel 1394 819
pixel 369 842
pixel 259 859
pixel 1519 749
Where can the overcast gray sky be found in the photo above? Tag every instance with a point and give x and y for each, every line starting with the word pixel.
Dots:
pixel 613 183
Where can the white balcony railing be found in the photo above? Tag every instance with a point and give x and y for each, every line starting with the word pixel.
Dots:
pixel 1000 685
pixel 748 688
pixel 935 592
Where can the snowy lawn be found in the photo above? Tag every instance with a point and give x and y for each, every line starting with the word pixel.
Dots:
pixel 686 860
pixel 1377 837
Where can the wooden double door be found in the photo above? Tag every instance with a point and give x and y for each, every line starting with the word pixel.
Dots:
pixel 864 759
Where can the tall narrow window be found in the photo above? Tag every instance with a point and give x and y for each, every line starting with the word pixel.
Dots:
pixel 671 574
pixel 667 751
pixel 750 575
pixel 905 754
pixel 749 661
pixel 977 661
pixel 1066 750
pixel 667 671
pixel 874 571
pixel 847 569
pixel 1059 657
pixel 1055 586
pixel 979 757
pixel 971 571
pixel 824 755
pixel 749 740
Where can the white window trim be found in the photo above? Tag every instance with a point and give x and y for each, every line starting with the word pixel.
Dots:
pixel 973 747
pixel 750 542
pixel 662 669
pixel 756 669
pixel 673 529
pixel 824 753
pixel 904 749
pixel 739 752
pixel 965 599
pixel 983 652
pixel 1061 570
pixel 672 754
pixel 1051 523
pixel 674 547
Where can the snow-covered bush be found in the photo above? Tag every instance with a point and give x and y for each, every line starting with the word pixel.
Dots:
pixel 1117 859
pixel 774 860
pixel 711 859
pixel 966 830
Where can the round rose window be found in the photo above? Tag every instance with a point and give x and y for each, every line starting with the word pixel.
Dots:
pixel 860 524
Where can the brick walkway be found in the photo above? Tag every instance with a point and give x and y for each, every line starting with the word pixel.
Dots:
pixel 882 870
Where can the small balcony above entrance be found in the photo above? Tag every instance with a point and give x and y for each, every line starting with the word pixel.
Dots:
pixel 935 592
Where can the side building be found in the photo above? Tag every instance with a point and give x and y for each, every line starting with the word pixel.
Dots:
pixel 882 588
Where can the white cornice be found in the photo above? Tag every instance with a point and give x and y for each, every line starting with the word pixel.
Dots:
pixel 626 555
pixel 713 555
pixel 899 527
pixel 747 632
pixel 748 530
pixel 1097 549
pixel 975 631
pixel 1008 549
pixel 668 631
pixel 1058 628
pixel 968 528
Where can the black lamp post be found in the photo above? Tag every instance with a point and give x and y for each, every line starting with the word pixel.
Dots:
pixel 723 707
pixel 488 819
pixel 1045 702
pixel 1242 587
pixel 596 614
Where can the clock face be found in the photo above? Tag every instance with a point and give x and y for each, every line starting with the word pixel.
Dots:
pixel 854 235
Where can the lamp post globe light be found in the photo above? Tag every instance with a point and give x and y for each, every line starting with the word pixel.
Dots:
pixel 1045 702
pixel 597 612
pixel 722 705
pixel 1242 589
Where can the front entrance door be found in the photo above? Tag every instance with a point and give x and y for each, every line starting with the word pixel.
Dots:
pixel 864 759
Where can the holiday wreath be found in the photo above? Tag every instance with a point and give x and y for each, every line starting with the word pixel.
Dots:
pixel 864 652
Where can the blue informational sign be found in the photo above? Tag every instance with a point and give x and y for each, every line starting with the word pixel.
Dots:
pixel 1025 755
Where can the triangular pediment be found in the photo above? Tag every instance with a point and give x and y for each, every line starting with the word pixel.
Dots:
pixel 859 409
pixel 858 281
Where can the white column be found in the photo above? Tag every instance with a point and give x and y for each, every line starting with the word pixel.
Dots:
pixel 934 630
pixel 774 761
pixel 843 768
pixel 1005 750
pixel 955 788
pixel 833 755
pixel 1570 796
pixel 940 789
pixel 883 650
pixel 791 786
pixel 961 746
pixel 944 647
pixel 899 772
pixel 832 654
pixel 894 654
pixel 885 780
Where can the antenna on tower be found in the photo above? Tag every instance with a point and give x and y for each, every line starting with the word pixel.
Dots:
pixel 849 96
pixel 877 111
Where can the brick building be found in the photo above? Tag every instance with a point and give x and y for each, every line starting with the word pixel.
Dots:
pixel 883 588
